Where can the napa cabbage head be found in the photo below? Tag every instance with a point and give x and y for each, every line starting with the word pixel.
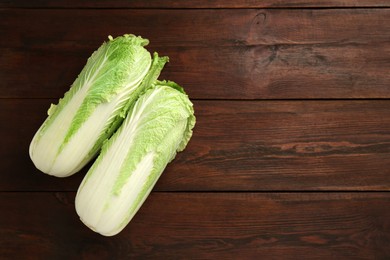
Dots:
pixel 94 106
pixel 157 126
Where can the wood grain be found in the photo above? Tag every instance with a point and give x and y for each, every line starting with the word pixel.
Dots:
pixel 240 146
pixel 264 54
pixel 193 4
pixel 204 226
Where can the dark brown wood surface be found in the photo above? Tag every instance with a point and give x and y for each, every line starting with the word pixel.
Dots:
pixel 204 226
pixel 193 4
pixel 270 145
pixel 262 54
pixel 290 157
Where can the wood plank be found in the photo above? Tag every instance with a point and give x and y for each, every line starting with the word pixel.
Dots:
pixel 260 72
pixel 270 54
pixel 192 4
pixel 240 146
pixel 204 226
pixel 23 27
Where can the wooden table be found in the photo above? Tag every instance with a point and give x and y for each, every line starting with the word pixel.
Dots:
pixel 290 158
